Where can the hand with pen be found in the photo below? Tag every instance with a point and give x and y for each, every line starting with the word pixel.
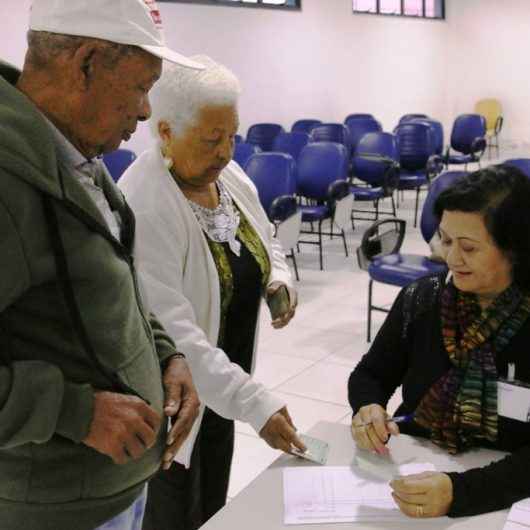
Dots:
pixel 371 427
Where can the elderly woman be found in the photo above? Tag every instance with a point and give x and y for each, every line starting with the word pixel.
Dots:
pixel 206 254
pixel 449 341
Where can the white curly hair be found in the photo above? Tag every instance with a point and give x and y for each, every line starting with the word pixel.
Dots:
pixel 181 93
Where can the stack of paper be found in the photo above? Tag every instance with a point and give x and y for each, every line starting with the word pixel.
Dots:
pixel 340 494
pixel 519 516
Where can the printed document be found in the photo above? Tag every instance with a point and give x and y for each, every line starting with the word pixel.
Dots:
pixel 340 494
pixel 519 516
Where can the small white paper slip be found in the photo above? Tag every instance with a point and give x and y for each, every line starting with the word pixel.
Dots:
pixel 317 450
pixel 332 494
pixel 519 516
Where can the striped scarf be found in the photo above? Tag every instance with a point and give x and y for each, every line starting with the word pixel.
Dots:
pixel 461 407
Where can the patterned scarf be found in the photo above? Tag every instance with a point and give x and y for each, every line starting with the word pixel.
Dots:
pixel 461 407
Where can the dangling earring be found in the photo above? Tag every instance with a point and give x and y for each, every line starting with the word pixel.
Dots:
pixel 168 162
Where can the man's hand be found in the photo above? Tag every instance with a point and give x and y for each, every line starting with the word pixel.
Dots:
pixel 282 320
pixel 375 435
pixel 123 427
pixel 427 494
pixel 280 433
pixel 181 405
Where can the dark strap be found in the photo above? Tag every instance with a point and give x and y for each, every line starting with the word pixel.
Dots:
pixel 5 342
pixel 64 278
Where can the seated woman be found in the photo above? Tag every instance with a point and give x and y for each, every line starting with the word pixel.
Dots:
pixel 206 255
pixel 448 341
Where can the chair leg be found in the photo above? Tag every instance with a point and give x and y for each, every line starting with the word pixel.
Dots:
pixel 320 244
pixel 369 328
pixel 376 205
pixel 344 241
pixel 295 265
pixel 416 208
pixel 393 205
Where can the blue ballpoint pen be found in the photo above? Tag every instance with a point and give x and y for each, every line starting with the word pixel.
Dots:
pixel 395 419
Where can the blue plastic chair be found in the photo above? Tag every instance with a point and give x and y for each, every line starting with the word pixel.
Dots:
pixel 359 116
pixel 243 151
pixel 380 255
pixel 321 178
pixel 376 165
pixel 305 125
pixel 332 132
pixel 291 143
pixel 437 131
pixel 417 160
pixel 273 176
pixel 468 137
pixel 238 139
pixel 358 127
pixel 408 117
pixel 263 134
pixel 118 161
pixel 523 164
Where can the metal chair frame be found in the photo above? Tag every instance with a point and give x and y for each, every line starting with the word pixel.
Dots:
pixel 337 192
pixel 372 247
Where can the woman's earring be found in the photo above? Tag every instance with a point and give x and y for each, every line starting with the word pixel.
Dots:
pixel 168 162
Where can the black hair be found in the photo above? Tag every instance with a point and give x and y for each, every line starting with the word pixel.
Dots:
pixel 501 194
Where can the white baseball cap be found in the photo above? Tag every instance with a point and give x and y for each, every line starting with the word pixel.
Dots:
pixel 132 22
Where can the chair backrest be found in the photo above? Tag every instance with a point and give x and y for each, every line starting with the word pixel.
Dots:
pixel 291 143
pixel 380 239
pixel 429 223
pixel 305 125
pixel 358 127
pixel 263 134
pixel 287 217
pixel 491 109
pixel 272 174
pixel 359 116
pixel 415 145
pixel 407 117
pixel 243 151
pixel 118 161
pixel 369 170
pixel 319 165
pixel 466 129
pixel 437 130
pixel 332 132
pixel 238 139
pixel 523 164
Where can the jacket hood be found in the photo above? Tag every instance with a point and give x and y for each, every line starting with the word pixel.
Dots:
pixel 34 161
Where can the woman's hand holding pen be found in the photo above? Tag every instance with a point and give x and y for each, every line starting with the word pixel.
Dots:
pixel 371 428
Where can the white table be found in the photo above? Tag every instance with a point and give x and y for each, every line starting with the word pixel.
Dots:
pixel 260 505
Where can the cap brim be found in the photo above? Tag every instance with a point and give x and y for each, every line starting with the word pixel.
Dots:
pixel 174 57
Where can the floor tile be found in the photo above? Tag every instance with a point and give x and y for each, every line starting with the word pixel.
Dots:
pixel 305 341
pixel 251 457
pixel 272 370
pixel 323 381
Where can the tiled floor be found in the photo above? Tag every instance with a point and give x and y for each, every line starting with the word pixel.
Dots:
pixel 308 363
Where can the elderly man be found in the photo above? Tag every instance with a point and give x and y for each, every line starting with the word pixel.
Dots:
pixel 87 374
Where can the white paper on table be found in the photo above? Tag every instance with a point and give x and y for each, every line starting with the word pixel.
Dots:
pixel 519 516
pixel 338 494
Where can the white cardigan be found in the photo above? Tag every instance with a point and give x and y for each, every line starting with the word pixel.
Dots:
pixel 181 285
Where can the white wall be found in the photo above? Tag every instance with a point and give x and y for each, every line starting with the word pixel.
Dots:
pixel 489 56
pixel 320 62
